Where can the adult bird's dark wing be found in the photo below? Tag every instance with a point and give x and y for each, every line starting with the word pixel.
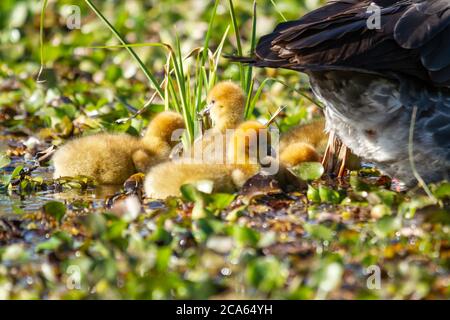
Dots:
pixel 414 40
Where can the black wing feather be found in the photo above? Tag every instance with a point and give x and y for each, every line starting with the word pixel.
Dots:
pixel 417 26
pixel 435 54
pixel 414 40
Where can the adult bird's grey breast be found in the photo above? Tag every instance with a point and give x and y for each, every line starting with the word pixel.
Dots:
pixel 372 80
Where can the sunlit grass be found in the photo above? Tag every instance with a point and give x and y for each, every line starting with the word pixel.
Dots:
pixel 187 79
pixel 41 40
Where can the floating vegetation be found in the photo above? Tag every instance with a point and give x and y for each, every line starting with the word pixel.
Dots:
pixel 70 238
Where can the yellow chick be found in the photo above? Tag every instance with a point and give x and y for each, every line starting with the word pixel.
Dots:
pixel 111 159
pixel 312 134
pixel 299 153
pixel 225 107
pixel 166 179
pixel 308 143
pixel 159 140
pixel 247 141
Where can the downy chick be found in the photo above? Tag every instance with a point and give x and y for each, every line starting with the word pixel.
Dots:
pixel 110 159
pixel 313 134
pixel 298 153
pixel 225 107
pixel 166 179
pixel 307 143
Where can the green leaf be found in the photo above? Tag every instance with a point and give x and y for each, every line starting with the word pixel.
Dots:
pixel 319 232
pixel 328 195
pixel 202 230
pixel 55 242
pixel 358 185
pixel 386 197
pixel 116 230
pixel 16 172
pixel 266 274
pixel 443 191
pixel 387 225
pixel 313 194
pixel 4 160
pixel 309 171
pixel 163 258
pixel 409 208
pixel 220 201
pixel 51 244
pixel 245 236
pixel 190 193
pixel 26 186
pixel 161 237
pixel 55 209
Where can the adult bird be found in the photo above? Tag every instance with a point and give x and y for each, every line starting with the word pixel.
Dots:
pixel 382 70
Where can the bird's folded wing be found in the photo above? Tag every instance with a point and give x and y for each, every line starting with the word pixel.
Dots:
pixel 414 39
pixel 426 27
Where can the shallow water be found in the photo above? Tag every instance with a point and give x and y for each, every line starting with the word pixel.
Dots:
pixel 16 204
pixel 13 204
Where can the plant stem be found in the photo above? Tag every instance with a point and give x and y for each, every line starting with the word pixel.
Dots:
pixel 411 157
pixel 41 39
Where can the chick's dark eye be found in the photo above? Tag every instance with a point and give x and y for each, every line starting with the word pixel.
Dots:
pixel 213 101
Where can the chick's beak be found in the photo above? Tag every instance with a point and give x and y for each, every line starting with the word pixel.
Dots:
pixel 207 111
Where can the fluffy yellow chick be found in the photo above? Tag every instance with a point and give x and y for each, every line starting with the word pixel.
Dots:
pixel 307 143
pixel 248 140
pixel 166 179
pixel 312 134
pixel 299 153
pixel 110 159
pixel 225 107
pixel 159 140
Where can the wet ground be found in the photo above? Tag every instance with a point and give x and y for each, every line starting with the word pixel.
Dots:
pixel 316 242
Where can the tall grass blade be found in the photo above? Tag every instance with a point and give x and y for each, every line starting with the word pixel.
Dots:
pixel 238 41
pixel 209 32
pixel 41 41
pixel 177 61
pixel 132 45
pixel 249 81
pixel 249 108
pixel 411 158
pixel 278 10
